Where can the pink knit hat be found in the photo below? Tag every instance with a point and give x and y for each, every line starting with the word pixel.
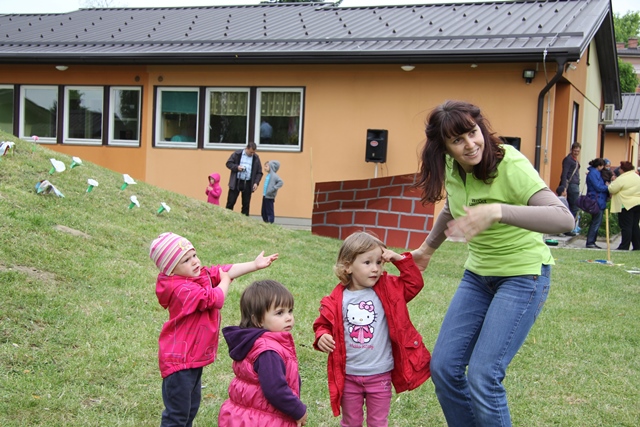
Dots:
pixel 167 250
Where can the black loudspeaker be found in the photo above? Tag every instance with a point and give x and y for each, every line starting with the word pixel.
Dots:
pixel 514 141
pixel 376 150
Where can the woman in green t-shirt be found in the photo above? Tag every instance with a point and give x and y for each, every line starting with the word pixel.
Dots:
pixel 496 201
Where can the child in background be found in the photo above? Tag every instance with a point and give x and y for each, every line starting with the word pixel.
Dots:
pixel 266 389
pixel 365 323
pixel 271 185
pixel 214 190
pixel 562 195
pixel 194 296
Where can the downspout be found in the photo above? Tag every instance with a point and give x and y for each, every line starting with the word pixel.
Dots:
pixel 543 93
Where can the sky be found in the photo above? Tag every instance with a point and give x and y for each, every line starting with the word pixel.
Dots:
pixel 59 6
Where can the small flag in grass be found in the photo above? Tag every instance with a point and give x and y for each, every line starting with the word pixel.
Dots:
pixel 75 161
pixel 127 180
pixel 134 202
pixel 92 183
pixel 164 207
pixel 45 187
pixel 56 166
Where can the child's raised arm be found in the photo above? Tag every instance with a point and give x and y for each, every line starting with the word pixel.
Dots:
pixel 259 263
pixel 389 255
pixel 225 281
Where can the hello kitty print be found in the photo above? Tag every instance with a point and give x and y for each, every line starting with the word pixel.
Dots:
pixel 360 318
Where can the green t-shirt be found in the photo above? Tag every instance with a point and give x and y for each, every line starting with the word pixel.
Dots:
pixel 501 250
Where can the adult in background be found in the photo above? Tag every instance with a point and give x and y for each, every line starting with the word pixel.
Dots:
pixel 596 190
pixel 246 172
pixel 625 201
pixel 498 203
pixel 570 179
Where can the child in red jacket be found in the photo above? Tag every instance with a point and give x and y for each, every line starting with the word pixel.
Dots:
pixel 188 341
pixel 365 327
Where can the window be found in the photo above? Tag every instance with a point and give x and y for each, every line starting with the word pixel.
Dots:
pixel 39 112
pixel 124 116
pixel 226 117
pixel 83 114
pixel 177 117
pixel 229 117
pixel 6 109
pixel 279 119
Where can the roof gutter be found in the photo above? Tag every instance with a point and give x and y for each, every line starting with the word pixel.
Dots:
pixel 543 93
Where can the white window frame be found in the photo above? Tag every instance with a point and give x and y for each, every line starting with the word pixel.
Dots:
pixel 158 117
pixel 258 115
pixel 207 117
pixel 112 103
pixel 81 141
pixel 41 140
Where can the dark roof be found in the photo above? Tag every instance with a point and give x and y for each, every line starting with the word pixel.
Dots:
pixel 300 31
pixel 503 31
pixel 627 119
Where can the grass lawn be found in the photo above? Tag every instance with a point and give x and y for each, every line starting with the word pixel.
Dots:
pixel 79 320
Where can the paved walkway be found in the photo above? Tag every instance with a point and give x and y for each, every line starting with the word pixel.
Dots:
pixel 580 242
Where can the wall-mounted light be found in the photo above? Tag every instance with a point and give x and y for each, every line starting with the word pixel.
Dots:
pixel 408 67
pixel 528 75
pixel 62 67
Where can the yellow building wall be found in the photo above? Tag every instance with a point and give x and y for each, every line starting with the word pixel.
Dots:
pixel 341 103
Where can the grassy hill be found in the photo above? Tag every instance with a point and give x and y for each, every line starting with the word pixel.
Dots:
pixel 79 319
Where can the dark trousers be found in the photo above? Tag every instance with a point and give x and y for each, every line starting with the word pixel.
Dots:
pixel 181 393
pixel 245 188
pixel 629 228
pixel 268 214
pixel 573 192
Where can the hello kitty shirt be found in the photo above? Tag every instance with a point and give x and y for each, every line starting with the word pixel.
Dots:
pixel 366 335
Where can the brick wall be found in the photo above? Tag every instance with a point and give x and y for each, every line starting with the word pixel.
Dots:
pixel 387 206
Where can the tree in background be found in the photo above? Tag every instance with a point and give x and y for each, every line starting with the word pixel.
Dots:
pixel 626 26
pixel 628 77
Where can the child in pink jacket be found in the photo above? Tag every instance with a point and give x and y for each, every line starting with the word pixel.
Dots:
pixel 188 341
pixel 214 190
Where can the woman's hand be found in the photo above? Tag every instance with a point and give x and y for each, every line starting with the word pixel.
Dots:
pixel 478 219
pixel 422 256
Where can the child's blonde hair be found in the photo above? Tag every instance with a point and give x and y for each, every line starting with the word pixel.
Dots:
pixel 354 245
pixel 258 298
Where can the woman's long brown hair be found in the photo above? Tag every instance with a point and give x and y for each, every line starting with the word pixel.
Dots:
pixel 449 119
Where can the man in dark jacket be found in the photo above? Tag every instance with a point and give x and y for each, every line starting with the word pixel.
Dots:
pixel 570 179
pixel 246 173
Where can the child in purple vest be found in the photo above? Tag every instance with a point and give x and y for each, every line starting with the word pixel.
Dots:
pixel 266 389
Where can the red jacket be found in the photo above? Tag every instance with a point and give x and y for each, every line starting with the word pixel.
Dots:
pixel 189 339
pixel 411 357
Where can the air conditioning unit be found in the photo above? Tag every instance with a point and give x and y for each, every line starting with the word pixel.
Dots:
pixel 607 114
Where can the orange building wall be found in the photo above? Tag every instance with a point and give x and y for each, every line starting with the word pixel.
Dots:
pixel 341 103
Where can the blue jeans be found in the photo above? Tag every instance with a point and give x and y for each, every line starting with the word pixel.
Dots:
pixel 487 321
pixel 594 225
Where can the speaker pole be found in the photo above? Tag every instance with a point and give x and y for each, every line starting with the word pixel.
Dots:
pixel 375 174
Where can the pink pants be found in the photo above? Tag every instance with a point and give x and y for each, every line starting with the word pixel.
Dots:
pixel 376 390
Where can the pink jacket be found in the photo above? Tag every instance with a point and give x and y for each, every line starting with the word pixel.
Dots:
pixel 189 339
pixel 411 357
pixel 214 191
pixel 247 405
